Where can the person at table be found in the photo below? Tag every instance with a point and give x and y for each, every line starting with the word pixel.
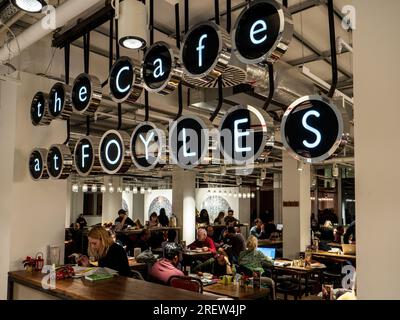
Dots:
pixel 217 266
pixel 123 221
pixel 203 217
pixel 82 221
pixel 106 252
pixel 165 268
pixel 338 234
pixel 327 234
pixel 203 241
pixel 258 229
pixel 220 218
pixel 163 219
pixel 270 230
pixel 143 240
pixel 350 233
pixel 251 260
pixel 153 222
pixel 229 219
pixel 236 242
pixel 171 238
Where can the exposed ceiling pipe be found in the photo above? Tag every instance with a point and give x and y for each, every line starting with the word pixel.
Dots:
pixel 64 13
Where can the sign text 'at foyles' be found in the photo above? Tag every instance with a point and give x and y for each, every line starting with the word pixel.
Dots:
pixel 312 129
pixel 242 138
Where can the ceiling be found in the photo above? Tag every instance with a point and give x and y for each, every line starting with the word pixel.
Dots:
pixel 310 47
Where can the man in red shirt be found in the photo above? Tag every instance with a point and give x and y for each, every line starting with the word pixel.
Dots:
pixel 203 241
pixel 165 268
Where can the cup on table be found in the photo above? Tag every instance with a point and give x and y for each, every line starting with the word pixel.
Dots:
pixel 136 252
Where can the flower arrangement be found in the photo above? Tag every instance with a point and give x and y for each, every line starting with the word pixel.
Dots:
pixel 29 263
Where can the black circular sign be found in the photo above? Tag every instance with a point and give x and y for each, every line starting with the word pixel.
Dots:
pixel 57 100
pixel 243 134
pixel 146 144
pixel 312 129
pixel 112 152
pixel 201 48
pixel 81 92
pixel 122 76
pixel 36 165
pixel 84 156
pixel 188 141
pixel 39 109
pixel 55 162
pixel 157 66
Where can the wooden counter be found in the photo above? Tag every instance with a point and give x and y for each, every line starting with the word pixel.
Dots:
pixel 118 288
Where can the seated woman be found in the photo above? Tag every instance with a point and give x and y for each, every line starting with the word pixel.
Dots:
pixel 104 250
pixel 153 222
pixel 251 260
pixel 218 266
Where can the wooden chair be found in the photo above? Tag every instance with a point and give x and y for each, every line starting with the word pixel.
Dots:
pixel 186 283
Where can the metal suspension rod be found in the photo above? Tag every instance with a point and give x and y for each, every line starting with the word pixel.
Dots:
pixel 332 38
pixel 271 86
pixel 67 55
pixel 216 8
pixel 228 15
pixel 220 99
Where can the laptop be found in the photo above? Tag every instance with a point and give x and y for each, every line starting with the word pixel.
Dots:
pixel 269 252
pixel 349 249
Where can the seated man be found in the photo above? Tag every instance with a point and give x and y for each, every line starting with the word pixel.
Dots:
pixel 203 241
pixel 237 243
pixel 143 241
pixel 165 268
pixel 230 219
pixel 218 266
pixel 123 221
pixel 258 229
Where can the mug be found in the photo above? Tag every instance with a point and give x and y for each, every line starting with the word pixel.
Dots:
pixel 136 252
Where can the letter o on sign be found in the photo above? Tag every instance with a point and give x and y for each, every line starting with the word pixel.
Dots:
pixel 189 141
pixel 37 164
pixel 40 109
pixel 312 129
pixel 60 101
pixel 114 152
pixel 59 161
pixel 147 145
pixel 125 81
pixel 262 32
pixel 86 156
pixel 86 94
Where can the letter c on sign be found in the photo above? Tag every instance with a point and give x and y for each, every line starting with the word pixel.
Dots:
pixel 313 130
pixel 122 90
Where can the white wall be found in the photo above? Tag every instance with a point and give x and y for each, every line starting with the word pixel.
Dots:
pixel 149 197
pixel 32 213
pixel 377 153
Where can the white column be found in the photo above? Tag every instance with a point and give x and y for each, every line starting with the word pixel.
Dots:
pixel 377 152
pixel 184 203
pixel 296 207
pixel 32 213
pixel 277 198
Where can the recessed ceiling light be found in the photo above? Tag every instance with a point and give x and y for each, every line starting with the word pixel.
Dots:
pixel 29 5
pixel 132 43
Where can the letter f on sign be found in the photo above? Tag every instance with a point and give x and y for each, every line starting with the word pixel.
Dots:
pixel 200 49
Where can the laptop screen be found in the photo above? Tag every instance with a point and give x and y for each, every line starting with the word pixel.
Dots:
pixel 269 252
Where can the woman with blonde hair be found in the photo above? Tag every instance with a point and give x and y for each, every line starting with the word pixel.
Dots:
pixel 251 260
pixel 106 252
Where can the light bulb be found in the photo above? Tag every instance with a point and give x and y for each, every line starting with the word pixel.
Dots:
pixel 127 189
pixel 149 189
pixel 111 189
pixel 135 190
pixel 253 195
pixel 94 188
pixel 119 190
pixel 85 188
pixel 142 190
pixel 75 188
pixel 103 188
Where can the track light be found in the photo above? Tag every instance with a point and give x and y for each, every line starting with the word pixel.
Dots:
pixel 85 188
pixel 94 188
pixel 253 195
pixel 142 190
pixel 132 24
pixel 335 170
pixel 333 183
pixel 263 174
pixel 149 190
pixel 30 5
pixel 111 189
pixel 300 165
pixel 135 190
pixel 127 189
pixel 75 188
pixel 103 189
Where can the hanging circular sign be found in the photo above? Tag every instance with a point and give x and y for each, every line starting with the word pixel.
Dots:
pixel 37 164
pixel 206 51
pixel 243 134
pixel 114 152
pixel 262 32
pixel 148 146
pixel 86 157
pixel 60 101
pixel 312 129
pixel 125 81
pixel 86 94
pixel 59 161
pixel 189 141
pixel 160 72
pixel 40 110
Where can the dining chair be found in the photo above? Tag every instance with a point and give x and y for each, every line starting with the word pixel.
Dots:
pixel 186 283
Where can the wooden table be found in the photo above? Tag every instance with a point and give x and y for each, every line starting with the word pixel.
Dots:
pixel 118 288
pixel 334 256
pixel 270 243
pixel 234 291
